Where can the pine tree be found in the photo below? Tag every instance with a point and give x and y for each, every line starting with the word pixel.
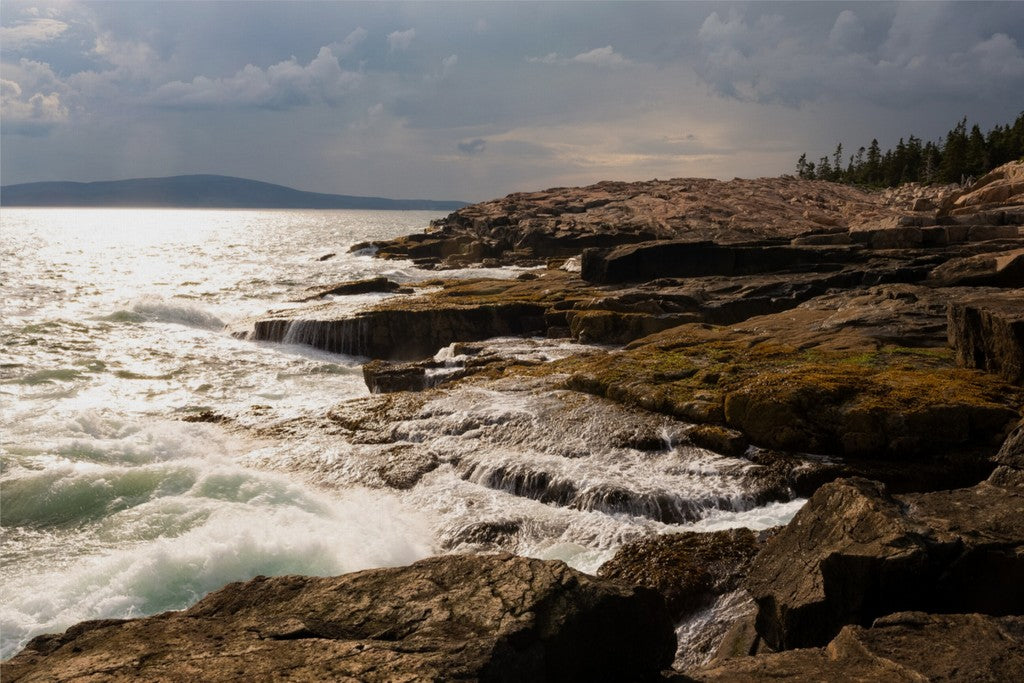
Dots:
pixel 954 154
pixel 977 155
pixel 801 167
pixel 837 163
pixel 954 159
pixel 873 167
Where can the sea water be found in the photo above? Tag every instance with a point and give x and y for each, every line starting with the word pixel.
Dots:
pixel 113 505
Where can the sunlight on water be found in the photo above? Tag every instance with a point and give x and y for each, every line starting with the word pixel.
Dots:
pixel 112 332
pixel 149 457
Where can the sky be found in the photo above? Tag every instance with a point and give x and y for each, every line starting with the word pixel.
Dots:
pixel 474 100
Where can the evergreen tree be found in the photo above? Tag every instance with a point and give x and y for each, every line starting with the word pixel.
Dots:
pixel 824 169
pixel 977 155
pixel 954 154
pixel 953 159
pixel 837 163
pixel 801 167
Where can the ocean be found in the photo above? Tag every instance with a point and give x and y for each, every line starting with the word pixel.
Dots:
pixel 115 330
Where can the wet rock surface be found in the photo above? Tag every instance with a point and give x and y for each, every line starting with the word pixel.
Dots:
pixel 855 553
pixel 488 618
pixel 376 284
pixel 689 569
pixel 754 322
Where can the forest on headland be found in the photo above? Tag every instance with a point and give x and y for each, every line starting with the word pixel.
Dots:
pixel 963 154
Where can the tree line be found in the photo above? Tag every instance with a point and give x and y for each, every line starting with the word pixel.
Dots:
pixel 961 155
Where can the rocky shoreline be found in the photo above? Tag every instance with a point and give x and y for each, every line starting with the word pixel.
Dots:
pixel 761 319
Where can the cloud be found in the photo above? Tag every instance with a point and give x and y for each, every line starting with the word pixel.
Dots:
pixel 847 34
pixel 34 114
pixel 1001 55
pixel 474 146
pixel 26 34
pixel 346 46
pixel 401 40
pixel 767 59
pixel 283 85
pixel 603 56
pixel 447 64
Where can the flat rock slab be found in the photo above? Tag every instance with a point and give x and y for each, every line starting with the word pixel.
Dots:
pixel 458 617
pixel 999 269
pixel 855 553
pixel 907 646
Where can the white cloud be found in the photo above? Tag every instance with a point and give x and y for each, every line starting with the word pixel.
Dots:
pixel 283 85
pixel 26 34
pixel 602 56
pixel 448 63
pixel 401 40
pixel 130 58
pixel 32 114
pixel 346 46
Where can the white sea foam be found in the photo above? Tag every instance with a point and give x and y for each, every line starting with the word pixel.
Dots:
pixel 176 311
pixel 196 531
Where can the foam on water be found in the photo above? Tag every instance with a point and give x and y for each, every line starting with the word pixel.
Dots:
pixel 112 507
pixel 176 311
pixel 236 540
pixel 125 519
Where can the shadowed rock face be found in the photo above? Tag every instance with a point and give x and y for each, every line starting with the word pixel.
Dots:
pixel 494 618
pixel 855 553
pixel 987 332
pixel 689 569
pixel 907 646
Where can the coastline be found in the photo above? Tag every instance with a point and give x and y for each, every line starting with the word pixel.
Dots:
pixel 887 339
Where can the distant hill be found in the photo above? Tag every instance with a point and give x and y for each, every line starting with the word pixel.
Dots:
pixel 199 191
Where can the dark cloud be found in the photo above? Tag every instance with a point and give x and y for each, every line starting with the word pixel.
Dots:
pixel 468 101
pixel 474 146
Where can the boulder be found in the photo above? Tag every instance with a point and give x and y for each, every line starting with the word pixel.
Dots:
pixel 906 646
pixel 1010 460
pixel 987 332
pixel 383 377
pixel 855 553
pixel 370 285
pixel 1000 187
pixel 689 569
pixel 1012 452
pixel 487 618
pixel 1000 269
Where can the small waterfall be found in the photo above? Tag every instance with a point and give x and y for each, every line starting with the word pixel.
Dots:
pixel 349 336
pixel 651 502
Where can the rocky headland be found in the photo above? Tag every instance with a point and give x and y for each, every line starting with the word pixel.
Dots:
pixel 862 349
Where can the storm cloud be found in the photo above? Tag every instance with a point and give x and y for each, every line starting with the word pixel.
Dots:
pixel 475 100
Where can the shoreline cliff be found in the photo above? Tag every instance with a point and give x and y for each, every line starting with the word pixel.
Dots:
pixel 862 349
